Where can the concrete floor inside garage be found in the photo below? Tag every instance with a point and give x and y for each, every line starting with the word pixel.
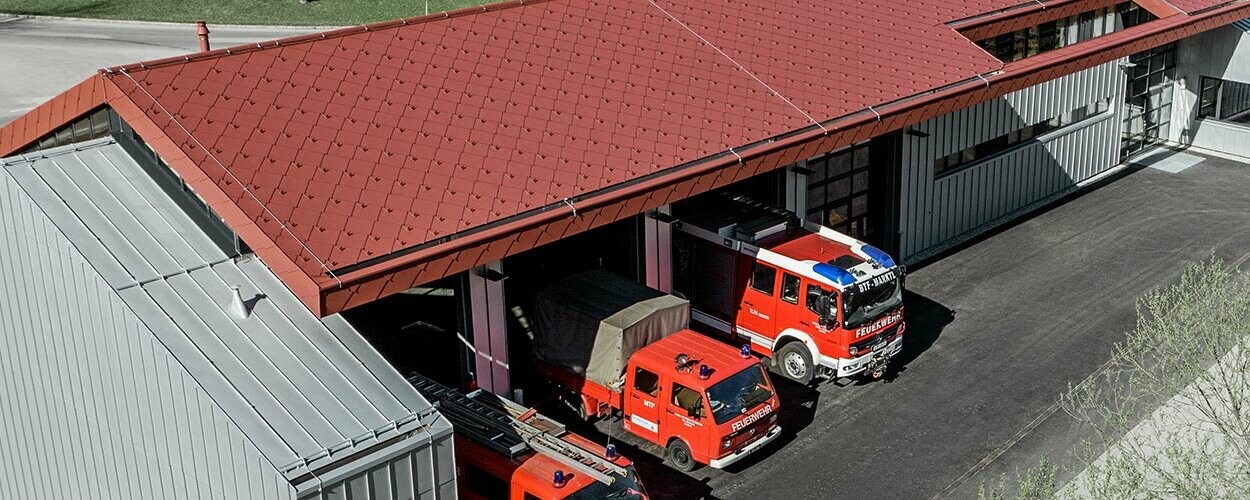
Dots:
pixel 997 330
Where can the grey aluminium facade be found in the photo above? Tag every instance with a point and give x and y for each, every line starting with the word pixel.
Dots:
pixel 1213 91
pixel 130 370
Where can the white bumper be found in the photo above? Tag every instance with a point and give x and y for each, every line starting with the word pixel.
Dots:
pixel 847 367
pixel 721 463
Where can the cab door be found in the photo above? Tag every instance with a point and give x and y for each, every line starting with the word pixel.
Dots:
pixel 759 301
pixel 792 311
pixel 642 403
pixel 686 416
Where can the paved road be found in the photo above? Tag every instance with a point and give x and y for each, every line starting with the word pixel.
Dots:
pixel 40 58
pixel 996 332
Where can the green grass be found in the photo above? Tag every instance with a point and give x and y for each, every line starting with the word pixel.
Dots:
pixel 270 12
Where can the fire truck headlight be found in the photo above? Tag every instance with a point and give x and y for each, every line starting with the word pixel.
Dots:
pixel 724 444
pixel 853 351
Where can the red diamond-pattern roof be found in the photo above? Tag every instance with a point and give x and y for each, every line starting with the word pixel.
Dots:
pixel 369 143
pixel 400 152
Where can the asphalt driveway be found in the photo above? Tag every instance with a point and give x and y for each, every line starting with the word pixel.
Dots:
pixel 997 331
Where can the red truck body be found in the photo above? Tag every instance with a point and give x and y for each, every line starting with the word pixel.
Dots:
pixel 704 401
pixel 811 299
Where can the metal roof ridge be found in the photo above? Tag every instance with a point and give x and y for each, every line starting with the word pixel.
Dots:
pixel 322 35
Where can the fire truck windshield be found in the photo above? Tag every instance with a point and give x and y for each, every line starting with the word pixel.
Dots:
pixel 624 488
pixel 738 394
pixel 862 306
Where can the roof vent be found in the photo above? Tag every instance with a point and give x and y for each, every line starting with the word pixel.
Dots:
pixel 237 307
pixel 201 30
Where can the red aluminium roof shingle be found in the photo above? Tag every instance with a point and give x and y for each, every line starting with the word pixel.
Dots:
pixel 337 155
pixel 365 144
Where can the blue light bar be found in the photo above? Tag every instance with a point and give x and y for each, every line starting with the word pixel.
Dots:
pixel 879 256
pixel 834 273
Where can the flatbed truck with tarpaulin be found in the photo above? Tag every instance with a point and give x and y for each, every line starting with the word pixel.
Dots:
pixel 506 451
pixel 616 347
pixel 805 296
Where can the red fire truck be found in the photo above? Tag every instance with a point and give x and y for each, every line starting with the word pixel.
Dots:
pixel 807 297
pixel 506 451
pixel 618 347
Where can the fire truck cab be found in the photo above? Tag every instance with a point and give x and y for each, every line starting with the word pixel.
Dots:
pixel 616 347
pixel 506 451
pixel 813 300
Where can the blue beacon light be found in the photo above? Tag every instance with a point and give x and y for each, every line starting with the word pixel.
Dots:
pixel 745 351
pixel 704 372
pixel 558 480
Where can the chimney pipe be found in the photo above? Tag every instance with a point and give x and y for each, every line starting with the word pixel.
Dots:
pixel 237 306
pixel 201 29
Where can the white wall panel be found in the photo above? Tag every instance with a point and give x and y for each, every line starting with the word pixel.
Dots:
pixel 935 212
pixel 1222 53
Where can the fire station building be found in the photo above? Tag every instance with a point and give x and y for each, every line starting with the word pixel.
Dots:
pixel 220 265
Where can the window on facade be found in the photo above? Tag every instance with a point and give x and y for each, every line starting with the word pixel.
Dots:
pixel 1224 100
pixel 838 190
pixel 1034 40
pixel 763 278
pixel 92 126
pixel 646 382
pixel 993 147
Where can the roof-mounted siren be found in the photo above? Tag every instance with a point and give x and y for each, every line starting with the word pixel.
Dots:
pixel 878 256
pixel 682 360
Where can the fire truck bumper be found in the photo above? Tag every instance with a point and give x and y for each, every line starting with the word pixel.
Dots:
pixel 847 367
pixel 727 460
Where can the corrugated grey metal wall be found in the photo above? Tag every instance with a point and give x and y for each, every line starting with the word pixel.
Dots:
pixel 91 404
pixel 936 212
pixel 1220 53
pixel 409 474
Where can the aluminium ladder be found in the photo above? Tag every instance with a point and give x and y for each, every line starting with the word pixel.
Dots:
pixel 511 429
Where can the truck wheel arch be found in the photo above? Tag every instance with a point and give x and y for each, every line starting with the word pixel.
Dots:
pixel 792 335
pixel 695 462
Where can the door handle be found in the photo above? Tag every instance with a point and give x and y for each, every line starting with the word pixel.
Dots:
pixel 804 323
pixel 747 302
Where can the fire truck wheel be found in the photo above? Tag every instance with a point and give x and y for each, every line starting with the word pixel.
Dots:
pixel 679 456
pixel 795 363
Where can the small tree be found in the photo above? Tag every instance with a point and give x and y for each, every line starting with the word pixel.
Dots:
pixel 1188 353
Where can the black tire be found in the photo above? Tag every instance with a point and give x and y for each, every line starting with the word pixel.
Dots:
pixel 794 363
pixel 679 456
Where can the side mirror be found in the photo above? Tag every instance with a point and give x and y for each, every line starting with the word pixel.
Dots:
pixel 828 318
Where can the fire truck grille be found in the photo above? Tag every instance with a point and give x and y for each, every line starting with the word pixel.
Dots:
pixel 887 334
pixel 751 433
